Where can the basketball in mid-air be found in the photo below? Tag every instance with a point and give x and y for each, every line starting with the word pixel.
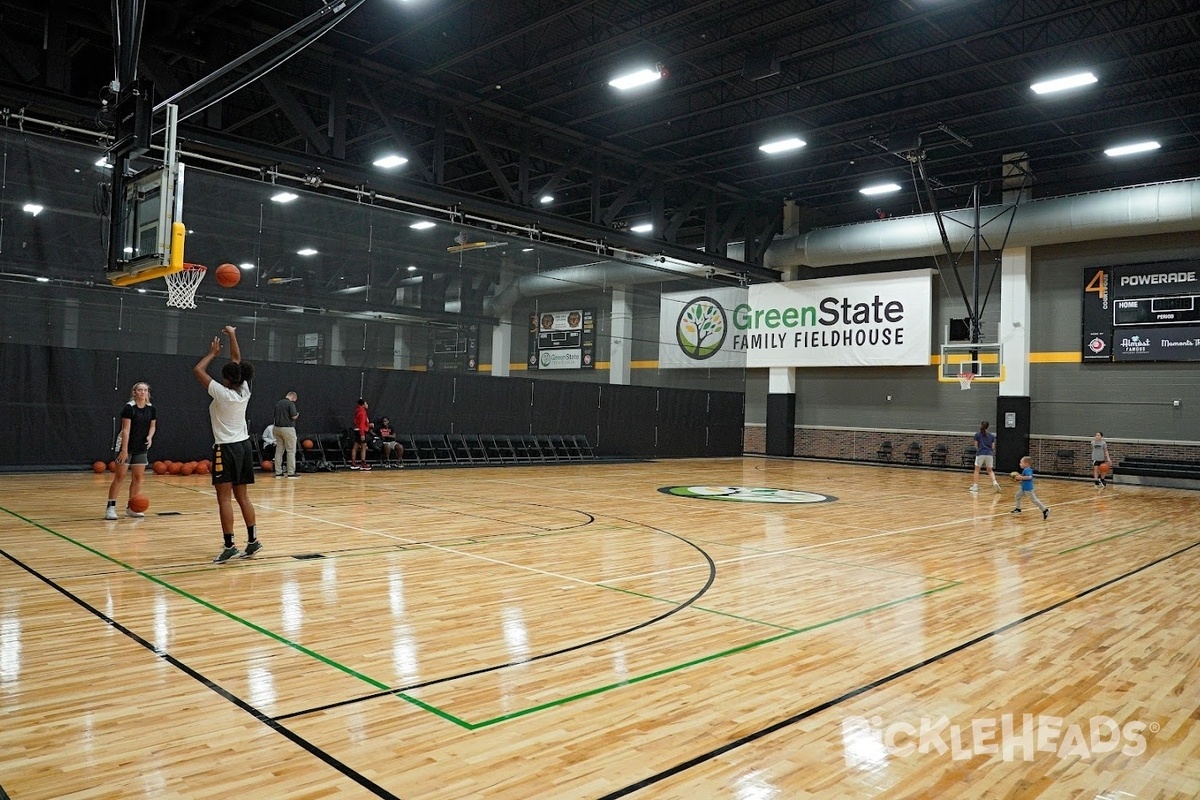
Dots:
pixel 228 275
pixel 139 503
pixel 1105 469
pixel 308 444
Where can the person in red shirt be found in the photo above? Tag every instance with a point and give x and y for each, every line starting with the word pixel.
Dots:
pixel 362 424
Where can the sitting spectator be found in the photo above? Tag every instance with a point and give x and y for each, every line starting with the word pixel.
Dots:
pixel 391 451
pixel 268 442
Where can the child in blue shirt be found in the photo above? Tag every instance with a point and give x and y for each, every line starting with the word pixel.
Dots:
pixel 1026 478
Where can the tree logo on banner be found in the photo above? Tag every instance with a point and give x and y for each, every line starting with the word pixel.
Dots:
pixel 701 327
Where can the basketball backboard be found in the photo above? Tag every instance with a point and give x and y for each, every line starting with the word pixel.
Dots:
pixel 149 229
pixel 983 360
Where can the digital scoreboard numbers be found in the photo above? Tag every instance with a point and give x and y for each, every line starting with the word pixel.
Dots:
pixel 1142 312
pixel 1156 310
pixel 562 339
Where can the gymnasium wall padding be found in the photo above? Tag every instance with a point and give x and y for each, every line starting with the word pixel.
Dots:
pixel 62 407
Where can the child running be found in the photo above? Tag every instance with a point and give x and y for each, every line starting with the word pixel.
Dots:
pixel 1026 478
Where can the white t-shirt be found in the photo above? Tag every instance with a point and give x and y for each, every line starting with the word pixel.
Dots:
pixel 227 412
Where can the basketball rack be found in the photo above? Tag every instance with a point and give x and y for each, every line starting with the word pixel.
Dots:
pixel 971 363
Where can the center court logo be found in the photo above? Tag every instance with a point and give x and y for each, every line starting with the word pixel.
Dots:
pixel 748 494
pixel 701 328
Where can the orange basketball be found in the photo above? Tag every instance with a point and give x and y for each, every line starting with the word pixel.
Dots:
pixel 202 468
pixel 159 468
pixel 99 466
pixel 308 444
pixel 187 469
pixel 268 466
pixel 112 466
pixel 139 503
pixel 175 468
pixel 228 275
pixel 1105 469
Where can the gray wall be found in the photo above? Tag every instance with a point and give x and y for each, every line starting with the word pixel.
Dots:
pixel 1126 401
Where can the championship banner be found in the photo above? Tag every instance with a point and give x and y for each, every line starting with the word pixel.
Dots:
pixel 879 320
pixel 694 329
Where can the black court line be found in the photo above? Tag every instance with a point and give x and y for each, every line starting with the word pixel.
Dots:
pixel 712 576
pixel 295 738
pixel 792 720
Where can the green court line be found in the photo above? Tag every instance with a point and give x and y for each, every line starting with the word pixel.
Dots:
pixel 704 659
pixel 698 608
pixel 234 617
pixel 821 560
pixel 1110 538
pixel 788 632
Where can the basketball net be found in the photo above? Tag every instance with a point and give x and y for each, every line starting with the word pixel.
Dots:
pixel 964 380
pixel 182 285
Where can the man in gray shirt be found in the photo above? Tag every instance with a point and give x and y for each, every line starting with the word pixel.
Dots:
pixel 285 435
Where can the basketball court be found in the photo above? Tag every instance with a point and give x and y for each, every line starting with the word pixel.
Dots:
pixel 585 632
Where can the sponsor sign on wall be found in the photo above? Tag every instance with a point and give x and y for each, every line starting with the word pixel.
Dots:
pixel 879 320
pixel 694 329
pixel 1142 312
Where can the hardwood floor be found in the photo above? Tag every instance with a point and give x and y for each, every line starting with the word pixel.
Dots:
pixel 573 632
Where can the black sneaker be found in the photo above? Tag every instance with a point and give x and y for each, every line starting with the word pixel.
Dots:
pixel 225 555
pixel 1045 513
pixel 1015 511
pixel 251 548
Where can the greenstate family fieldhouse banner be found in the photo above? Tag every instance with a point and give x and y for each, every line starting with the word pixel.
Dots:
pixel 695 330
pixel 880 320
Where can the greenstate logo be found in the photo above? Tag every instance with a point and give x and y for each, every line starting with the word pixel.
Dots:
pixel 748 494
pixel 701 327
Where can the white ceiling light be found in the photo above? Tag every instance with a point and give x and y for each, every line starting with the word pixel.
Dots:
pixel 633 79
pixel 141 291
pixel 32 208
pixel 1061 84
pixel 546 199
pixel 412 268
pixel 526 249
pixel 883 188
pixel 424 225
pixel 103 162
pixel 42 279
pixel 284 197
pixel 246 265
pixel 644 227
pixel 390 161
pixel 1130 149
pixel 782 145
pixel 307 251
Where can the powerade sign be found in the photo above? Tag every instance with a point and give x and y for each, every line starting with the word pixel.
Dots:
pixel 1142 312
pixel 880 320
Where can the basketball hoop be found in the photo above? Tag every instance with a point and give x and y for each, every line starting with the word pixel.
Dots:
pixel 964 380
pixel 182 285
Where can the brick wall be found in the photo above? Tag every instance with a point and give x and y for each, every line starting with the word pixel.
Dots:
pixel 863 445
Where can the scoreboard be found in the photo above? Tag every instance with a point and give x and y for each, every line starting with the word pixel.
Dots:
pixel 562 339
pixel 1142 312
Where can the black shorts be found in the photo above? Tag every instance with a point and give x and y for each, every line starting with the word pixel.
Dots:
pixel 233 463
pixel 1098 463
